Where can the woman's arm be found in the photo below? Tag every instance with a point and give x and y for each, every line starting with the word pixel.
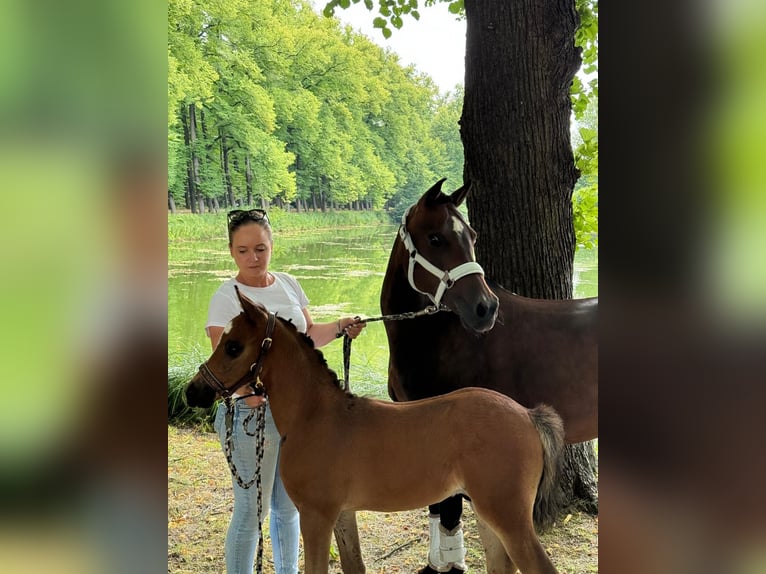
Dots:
pixel 323 333
pixel 215 335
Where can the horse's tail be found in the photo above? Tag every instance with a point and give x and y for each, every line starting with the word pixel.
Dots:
pixel 551 429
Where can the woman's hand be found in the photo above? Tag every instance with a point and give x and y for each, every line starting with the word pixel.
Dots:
pixel 351 326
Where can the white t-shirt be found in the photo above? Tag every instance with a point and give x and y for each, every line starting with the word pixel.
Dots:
pixel 285 297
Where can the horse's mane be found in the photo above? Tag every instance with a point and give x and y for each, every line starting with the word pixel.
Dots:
pixel 308 341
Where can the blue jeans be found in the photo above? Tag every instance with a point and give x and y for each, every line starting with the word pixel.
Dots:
pixel 242 535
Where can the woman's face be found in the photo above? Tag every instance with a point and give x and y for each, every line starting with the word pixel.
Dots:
pixel 251 249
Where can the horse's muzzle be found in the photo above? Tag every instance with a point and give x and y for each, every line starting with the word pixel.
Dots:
pixel 198 393
pixel 479 316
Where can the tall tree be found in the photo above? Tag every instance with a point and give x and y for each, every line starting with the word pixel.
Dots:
pixel 521 61
pixel 288 106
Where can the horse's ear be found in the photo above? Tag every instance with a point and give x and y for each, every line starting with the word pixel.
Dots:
pixel 248 306
pixel 459 195
pixel 433 194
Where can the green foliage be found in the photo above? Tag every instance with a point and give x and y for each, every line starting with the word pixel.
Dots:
pixel 586 37
pixel 584 98
pixel 445 130
pixel 585 208
pixel 180 372
pixel 584 95
pixel 288 106
pixel 585 197
pixel 392 11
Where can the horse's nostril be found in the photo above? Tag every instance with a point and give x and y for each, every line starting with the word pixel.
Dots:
pixel 484 310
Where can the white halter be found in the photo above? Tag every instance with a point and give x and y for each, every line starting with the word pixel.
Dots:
pixel 446 278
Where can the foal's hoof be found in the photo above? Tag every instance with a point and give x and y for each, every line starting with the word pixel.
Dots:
pixel 429 570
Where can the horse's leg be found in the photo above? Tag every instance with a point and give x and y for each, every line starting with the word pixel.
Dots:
pixel 347 537
pixel 510 518
pixel 524 547
pixel 316 528
pixel 451 544
pixel 446 550
pixel 433 540
pixel 435 563
pixel 497 558
pixel 520 540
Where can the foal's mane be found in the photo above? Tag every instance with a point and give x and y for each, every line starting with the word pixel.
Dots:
pixel 309 342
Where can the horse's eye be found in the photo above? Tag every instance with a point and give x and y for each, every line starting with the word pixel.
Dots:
pixel 233 348
pixel 435 240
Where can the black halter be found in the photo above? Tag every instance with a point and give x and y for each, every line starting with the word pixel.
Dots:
pixel 251 378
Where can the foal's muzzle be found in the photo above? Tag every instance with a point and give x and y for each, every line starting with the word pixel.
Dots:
pixel 199 394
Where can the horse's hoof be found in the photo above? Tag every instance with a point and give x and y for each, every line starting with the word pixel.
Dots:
pixel 429 570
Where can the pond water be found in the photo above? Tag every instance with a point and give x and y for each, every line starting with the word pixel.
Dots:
pixel 340 270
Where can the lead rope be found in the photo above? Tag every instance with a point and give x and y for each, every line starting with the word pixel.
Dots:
pixel 228 448
pixel 430 310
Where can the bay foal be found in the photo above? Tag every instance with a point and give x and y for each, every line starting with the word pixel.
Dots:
pixel 341 452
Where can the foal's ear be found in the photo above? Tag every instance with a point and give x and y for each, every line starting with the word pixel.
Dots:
pixel 459 195
pixel 433 194
pixel 248 306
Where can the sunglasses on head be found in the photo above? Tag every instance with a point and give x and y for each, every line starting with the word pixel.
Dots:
pixel 237 216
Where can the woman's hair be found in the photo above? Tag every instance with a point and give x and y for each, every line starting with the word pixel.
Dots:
pixel 239 217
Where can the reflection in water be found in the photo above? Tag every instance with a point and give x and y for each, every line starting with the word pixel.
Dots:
pixel 585 276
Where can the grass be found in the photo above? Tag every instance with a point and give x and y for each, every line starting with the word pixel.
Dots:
pixel 191 226
pixel 199 508
pixel 181 368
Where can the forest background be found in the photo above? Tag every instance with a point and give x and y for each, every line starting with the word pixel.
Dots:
pixel 271 104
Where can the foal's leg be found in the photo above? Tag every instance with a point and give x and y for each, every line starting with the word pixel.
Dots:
pixel 524 547
pixel 510 518
pixel 497 558
pixel 316 528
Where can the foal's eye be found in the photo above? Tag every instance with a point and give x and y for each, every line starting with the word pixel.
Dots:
pixel 435 240
pixel 233 348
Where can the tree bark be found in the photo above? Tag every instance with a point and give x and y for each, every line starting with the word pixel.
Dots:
pixel 226 172
pixel 190 137
pixel 347 539
pixel 520 62
pixel 171 203
pixel 249 179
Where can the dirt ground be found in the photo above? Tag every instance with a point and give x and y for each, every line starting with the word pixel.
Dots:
pixel 199 508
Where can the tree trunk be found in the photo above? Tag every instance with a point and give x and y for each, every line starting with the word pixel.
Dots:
pixel 347 539
pixel 226 173
pixel 171 203
pixel 249 179
pixel 190 137
pixel 520 62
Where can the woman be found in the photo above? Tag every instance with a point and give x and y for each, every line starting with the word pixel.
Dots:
pixel 250 244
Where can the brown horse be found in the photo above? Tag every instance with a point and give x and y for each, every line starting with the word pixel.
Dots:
pixel 341 452
pixel 536 351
